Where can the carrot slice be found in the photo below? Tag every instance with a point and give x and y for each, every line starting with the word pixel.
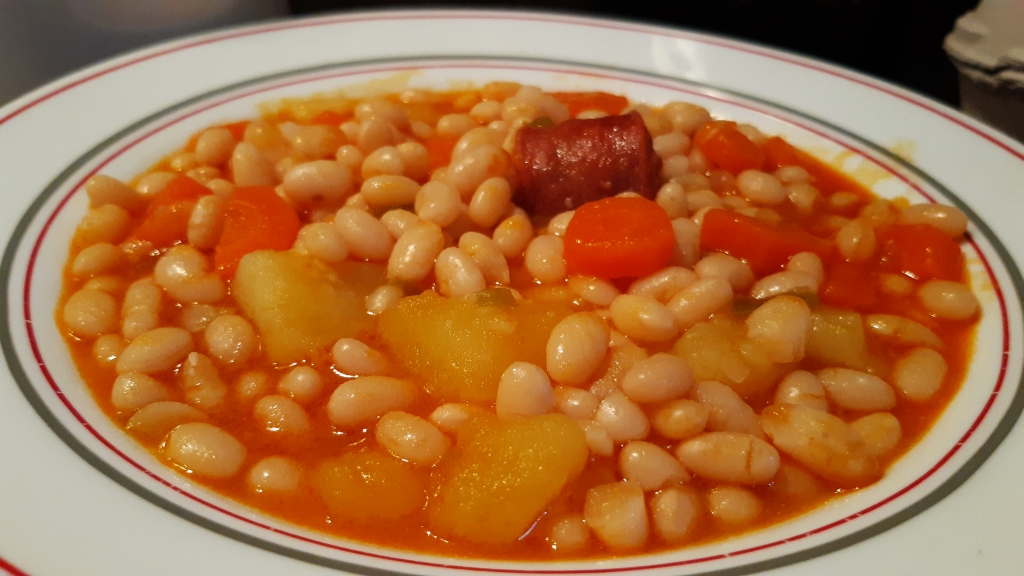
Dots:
pixel 765 247
pixel 255 218
pixel 611 104
pixel 920 251
pixel 728 148
pixel 618 238
pixel 850 285
pixel 165 221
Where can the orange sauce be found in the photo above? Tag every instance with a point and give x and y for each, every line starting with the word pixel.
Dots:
pixel 307 510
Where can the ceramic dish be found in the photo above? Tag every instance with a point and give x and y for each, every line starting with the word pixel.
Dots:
pixel 78 496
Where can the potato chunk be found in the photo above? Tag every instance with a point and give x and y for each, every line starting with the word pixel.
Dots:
pixel 720 350
pixel 837 338
pixel 459 347
pixel 369 485
pixel 299 305
pixel 503 474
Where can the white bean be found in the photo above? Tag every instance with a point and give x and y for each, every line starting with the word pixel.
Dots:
pixel 90 312
pixel 203 386
pixel 490 201
pixel 781 326
pixel 948 300
pixel 357 403
pixel 366 237
pixel 487 255
pixel 729 457
pixel 457 274
pixel 301 383
pixel 152 422
pixel 411 438
pixel 133 391
pixel 856 390
pixel 575 348
pixel 880 431
pixel 650 466
pixel 675 512
pixel 513 234
pixel 205 450
pixel 281 415
pixel 389 190
pixel 733 505
pixel 821 442
pixel 900 330
pixel 382 298
pixel 575 403
pixel 948 219
pixel 100 258
pixel 439 203
pixel 919 374
pixel 617 514
pixel 623 419
pixel 663 284
pixel 785 282
pixel 658 378
pixel 804 388
pixel 155 351
pixel 680 419
pixel 206 222
pixel 413 256
pixel 643 319
pixel 230 339
pixel 524 390
pixel 727 412
pixel 699 300
pixel 544 258
pixel 354 358
pixel 761 188
pixel 275 475
pixel 599 441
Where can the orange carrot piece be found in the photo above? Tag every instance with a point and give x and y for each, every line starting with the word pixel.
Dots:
pixel 611 104
pixel 849 285
pixel 920 251
pixel 765 247
pixel 165 221
pixel 255 218
pixel 728 148
pixel 618 238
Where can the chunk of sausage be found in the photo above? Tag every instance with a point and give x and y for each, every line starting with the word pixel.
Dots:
pixel 562 167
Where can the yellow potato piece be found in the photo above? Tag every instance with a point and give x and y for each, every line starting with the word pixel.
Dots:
pixel 719 350
pixel 300 306
pixel 369 485
pixel 459 347
pixel 503 474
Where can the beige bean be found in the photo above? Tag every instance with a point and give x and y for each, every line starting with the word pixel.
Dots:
pixel 948 300
pixel 785 282
pixel 398 222
pixel 230 339
pixel 780 326
pixel 203 386
pixel 113 285
pixel 140 310
pixel 792 175
pixel 804 388
pixel 251 385
pixel 880 431
pixel 385 160
pixel 489 202
pixel 686 118
pixel 727 412
pixel 761 188
pixel 388 190
pixel 617 514
pixel 221 187
pixel 323 241
pixel 733 505
pixel 735 271
pixel 457 274
pixel 792 483
pixel 359 402
pixel 486 111
pixel 575 403
pixel 699 300
pixel 416 160
pixel 575 348
pixel 478 136
pixel 663 284
pixel 621 358
pixel 196 317
pixel 948 219
pixel 374 134
pixel 599 440
pixel 109 223
pixel 568 533
pixel 439 203
pixel 675 166
pixel 919 374
pixel 153 183
pixel 899 330
pixel 383 110
pixel 803 196
pixel 206 222
pixel 729 457
pixel 152 422
pixel 133 391
pixel 100 258
pixel 658 378
pixel 675 512
pixel 355 358
pixel 350 157
pixel 249 167
pixel 411 438
pixel 301 384
pixel 698 200
pixel 680 419
pixel 204 450
pixel 475 166
pixel 856 390
pixel 643 319
pixel 155 350
pixel 413 256
pixel 671 144
pixel 312 141
pixel 856 241
pixel 281 415
pixel 103 190
pixel 450 417
pixel 382 298
pixel 820 441
pixel 513 234
pixel 808 263
pixel 622 418
pixel 107 348
pixel 275 475
pixel 594 290
pixel 843 200
pixel 650 466
pixel 485 253
pixel 89 313
pixel 524 390
pixel 366 237
pixel 214 146
pixel 544 258
pixel 687 249
pixel 455 125
pixel 672 198
pixel 181 272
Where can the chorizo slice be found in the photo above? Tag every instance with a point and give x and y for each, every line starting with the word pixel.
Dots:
pixel 561 167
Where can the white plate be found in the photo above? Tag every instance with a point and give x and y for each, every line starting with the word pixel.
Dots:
pixel 77 497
